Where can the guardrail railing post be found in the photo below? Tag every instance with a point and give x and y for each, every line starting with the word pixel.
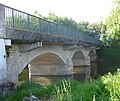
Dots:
pixel 48 27
pixel 13 20
pixel 56 29
pixel 28 22
pixel 39 25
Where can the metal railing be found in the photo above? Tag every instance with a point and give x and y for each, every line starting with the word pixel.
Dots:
pixel 21 20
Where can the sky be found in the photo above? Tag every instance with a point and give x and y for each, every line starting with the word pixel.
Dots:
pixel 79 10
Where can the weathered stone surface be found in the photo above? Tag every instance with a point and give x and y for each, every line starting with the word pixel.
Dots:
pixel 7 89
pixel 21 36
pixel 3 71
pixel 50 59
pixel 2 22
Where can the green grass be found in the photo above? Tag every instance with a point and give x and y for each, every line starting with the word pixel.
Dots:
pixel 106 88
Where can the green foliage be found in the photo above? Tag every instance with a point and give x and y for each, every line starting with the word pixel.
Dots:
pixel 52 24
pixel 29 85
pixel 107 88
pixel 92 29
pixel 63 92
pixel 24 89
pixel 112 85
pixel 109 54
pixel 112 37
pixel 69 22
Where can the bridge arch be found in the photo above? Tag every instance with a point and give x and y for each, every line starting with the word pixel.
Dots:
pixel 92 55
pixel 47 64
pixel 29 58
pixel 81 67
pixel 21 59
pixel 77 58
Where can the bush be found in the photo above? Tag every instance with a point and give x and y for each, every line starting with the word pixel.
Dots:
pixel 108 54
pixel 112 85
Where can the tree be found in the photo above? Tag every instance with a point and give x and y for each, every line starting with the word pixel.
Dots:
pixel 69 22
pixel 112 37
pixel 83 26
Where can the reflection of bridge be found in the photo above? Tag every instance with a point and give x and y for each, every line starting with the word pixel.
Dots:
pixel 50 48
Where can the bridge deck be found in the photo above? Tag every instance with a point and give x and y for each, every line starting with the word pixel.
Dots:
pixel 24 26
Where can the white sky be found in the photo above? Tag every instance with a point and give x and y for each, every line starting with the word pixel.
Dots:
pixel 79 10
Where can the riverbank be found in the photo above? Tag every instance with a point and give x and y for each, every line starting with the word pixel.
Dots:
pixel 105 88
pixel 108 54
pixel 108 60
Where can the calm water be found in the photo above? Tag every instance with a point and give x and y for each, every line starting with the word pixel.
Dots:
pixel 79 73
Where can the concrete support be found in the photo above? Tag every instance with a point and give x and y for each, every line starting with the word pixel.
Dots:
pixel 28 47
pixel 3 70
pixel 29 72
pixel 87 72
pixel 69 66
pixel 2 22
pixel 12 65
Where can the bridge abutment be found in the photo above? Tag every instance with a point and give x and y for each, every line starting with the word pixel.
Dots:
pixel 3 44
pixel 3 69
pixel 2 22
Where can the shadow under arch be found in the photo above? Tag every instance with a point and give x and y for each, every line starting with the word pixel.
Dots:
pixel 46 64
pixel 92 55
pixel 78 60
pixel 26 59
pixel 48 58
pixel 93 64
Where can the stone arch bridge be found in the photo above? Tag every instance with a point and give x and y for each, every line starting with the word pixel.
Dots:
pixel 49 48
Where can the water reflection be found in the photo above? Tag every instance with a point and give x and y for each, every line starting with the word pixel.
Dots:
pixel 79 73
pixel 47 79
pixel 101 68
pixel 104 67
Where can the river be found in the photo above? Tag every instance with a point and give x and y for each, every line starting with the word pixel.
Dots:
pixel 79 73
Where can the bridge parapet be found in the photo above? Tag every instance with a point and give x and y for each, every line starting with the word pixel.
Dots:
pixel 16 19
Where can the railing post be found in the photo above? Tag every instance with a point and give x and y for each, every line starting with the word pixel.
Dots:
pixel 20 21
pixel 62 31
pixel 48 27
pixel 13 20
pixel 39 25
pixel 28 20
pixel 56 30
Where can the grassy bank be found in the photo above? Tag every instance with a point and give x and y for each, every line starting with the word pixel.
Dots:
pixel 108 54
pixel 107 88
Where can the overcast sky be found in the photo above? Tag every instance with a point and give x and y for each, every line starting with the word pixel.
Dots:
pixel 79 10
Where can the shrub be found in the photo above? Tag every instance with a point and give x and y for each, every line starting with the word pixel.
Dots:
pixel 112 85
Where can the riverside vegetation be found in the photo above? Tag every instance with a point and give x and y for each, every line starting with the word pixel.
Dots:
pixel 106 88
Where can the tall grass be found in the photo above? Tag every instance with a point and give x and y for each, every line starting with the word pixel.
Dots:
pixel 106 88
pixel 62 92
